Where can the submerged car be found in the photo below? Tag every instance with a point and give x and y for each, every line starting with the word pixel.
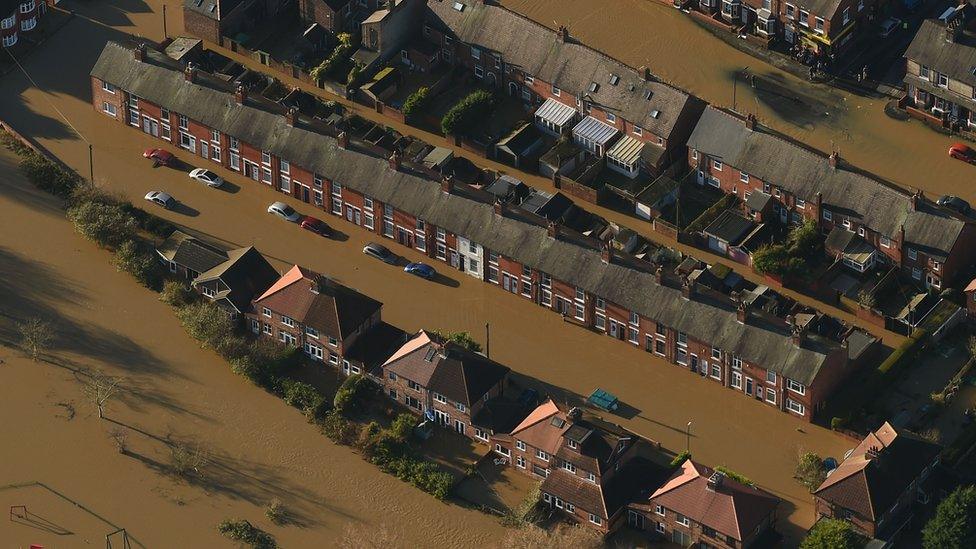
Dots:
pixel 160 157
pixel 963 152
pixel 284 211
pixel 316 226
pixel 161 199
pixel 380 252
pixel 422 270
pixel 206 177
pixel 956 204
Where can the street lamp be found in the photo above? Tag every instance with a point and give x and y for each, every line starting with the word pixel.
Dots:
pixel 688 439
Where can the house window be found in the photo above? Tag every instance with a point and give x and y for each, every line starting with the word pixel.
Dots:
pixel 109 108
pixel 479 72
pixel 716 371
pixel 555 91
pixel 743 177
pixel 847 16
pixel 569 467
pixel 108 87
pixel 771 377
pixel 943 81
pixel 790 11
pixel 683 520
pixel 591 477
pixel 475 53
pixel 736 363
pixel 638 130
pixel 333 342
pixel 573 444
pixel 819 25
pixel 392 376
pixel 520 462
pixel 266 312
pixel 634 318
pixel 827 215
pixel 912 254
pixel 694 154
pixel 771 396
pixel 717 165
pixel 265 157
pixel 716 353
pixel 459 407
pixel 595 519
pixel 611 117
pixel 804 17
pixel 184 122
pixel 885 242
pixel 542 455
pixel 633 335
pixel 800 204
pixel 439 398
pixel 413 385
pixel 268 329
pixel 287 321
pixel 660 528
pixel 796 386
pixel 916 273
pixel 520 445
pixel 795 406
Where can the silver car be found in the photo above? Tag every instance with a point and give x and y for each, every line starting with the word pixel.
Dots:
pixel 161 199
pixel 284 211
pixel 206 177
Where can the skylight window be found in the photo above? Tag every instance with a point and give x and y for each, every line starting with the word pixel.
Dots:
pixel 614 79
pixel 648 94
pixel 593 87
pixel 655 113
pixel 458 6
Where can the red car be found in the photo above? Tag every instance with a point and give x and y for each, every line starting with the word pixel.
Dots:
pixel 316 225
pixel 159 157
pixel 963 152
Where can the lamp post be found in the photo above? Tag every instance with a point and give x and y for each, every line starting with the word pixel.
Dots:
pixel 688 438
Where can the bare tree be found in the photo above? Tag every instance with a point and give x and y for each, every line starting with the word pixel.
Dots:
pixel 187 459
pixel 35 336
pixel 120 437
pixel 100 388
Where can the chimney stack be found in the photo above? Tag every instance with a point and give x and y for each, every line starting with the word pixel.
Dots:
pixel 190 72
pixel 240 95
pixel 447 184
pixel 687 287
pixel 659 275
pixel 751 121
pixel 645 73
pixel 499 207
pixel 796 335
pixel 395 161
pixel 606 253
pixel 343 140
pixel 741 312
pixel 291 116
pixel 563 33
pixel 715 480
pixel 832 159
pixel 140 53
pixel 574 414
pixel 916 199
pixel 552 229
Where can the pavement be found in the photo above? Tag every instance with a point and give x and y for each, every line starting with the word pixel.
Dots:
pixel 563 360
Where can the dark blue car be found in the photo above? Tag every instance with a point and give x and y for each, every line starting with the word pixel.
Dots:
pixel 422 270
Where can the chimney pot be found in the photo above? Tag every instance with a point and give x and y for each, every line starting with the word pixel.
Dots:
pixel 751 121
pixel 190 72
pixel 741 313
pixel 291 116
pixel 240 95
pixel 343 140
pixel 140 53
pixel 563 33
pixel 447 184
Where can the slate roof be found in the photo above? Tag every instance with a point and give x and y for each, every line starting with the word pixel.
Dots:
pixel 956 59
pixel 803 172
pixel 245 272
pixel 540 52
pixel 878 471
pixel 729 227
pixel 604 499
pixel 732 508
pixel 314 300
pixel 257 124
pixel 446 368
pixel 190 252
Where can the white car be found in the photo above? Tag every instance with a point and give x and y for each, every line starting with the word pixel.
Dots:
pixel 889 26
pixel 206 177
pixel 161 199
pixel 284 211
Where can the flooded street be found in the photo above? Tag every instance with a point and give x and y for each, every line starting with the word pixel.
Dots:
pixel 728 429
pixel 260 448
pixel 646 32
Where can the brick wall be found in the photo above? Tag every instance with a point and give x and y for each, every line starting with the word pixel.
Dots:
pixel 101 96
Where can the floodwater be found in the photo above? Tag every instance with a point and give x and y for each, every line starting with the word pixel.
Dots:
pixel 646 32
pixel 260 448
pixel 567 362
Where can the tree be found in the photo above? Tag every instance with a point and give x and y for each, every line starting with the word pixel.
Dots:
pixel 803 239
pixel 468 112
pixel 415 102
pixel 276 512
pixel 351 392
pixel 206 323
pixel 187 459
pixel 954 523
pixel 104 223
pixel 302 395
pixel 354 73
pixel 770 259
pixel 832 534
pixel 402 427
pixel 463 339
pixel 119 437
pixel 810 470
pixel 176 293
pixel 132 258
pixel 36 336
pixel 246 533
pixel 100 388
pixel 866 299
pixel 47 175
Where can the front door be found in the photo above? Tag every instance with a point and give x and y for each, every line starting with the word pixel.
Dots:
pixel 459 426
pixel 205 149
pixel 694 363
pixel 455 259
pixel 305 194
pixel 748 385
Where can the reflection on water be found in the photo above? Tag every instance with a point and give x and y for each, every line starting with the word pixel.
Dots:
pixel 645 32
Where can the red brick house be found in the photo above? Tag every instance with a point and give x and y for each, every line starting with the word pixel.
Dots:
pixel 526 60
pixel 332 15
pixel 314 313
pixel 590 468
pixel 211 20
pixel 739 156
pixel 698 506
pixel 443 381
pixel 562 270
pixel 18 17
pixel 876 485
pixel 939 79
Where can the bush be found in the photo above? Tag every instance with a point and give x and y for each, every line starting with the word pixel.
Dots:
pixel 810 471
pixel 403 426
pixel 415 102
pixel 354 73
pixel 133 258
pixel 149 222
pixel 276 512
pixel 680 458
pixel 13 144
pixel 954 523
pixel 468 112
pixel 838 422
pixel 348 399
pixel 738 477
pixel 301 395
pixel 103 222
pixel 245 532
pixel 48 176
pixel 832 534
pixel 905 353
pixel 338 58
pixel 339 429
pixel 206 323
pixel 463 339
pixel 176 294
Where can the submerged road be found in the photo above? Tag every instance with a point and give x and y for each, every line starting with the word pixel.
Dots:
pixel 728 428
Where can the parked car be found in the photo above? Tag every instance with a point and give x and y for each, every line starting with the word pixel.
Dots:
pixel 161 199
pixel 316 225
pixel 206 177
pixel 963 152
pixel 160 157
pixel 380 252
pixel 956 204
pixel 284 211
pixel 422 270
pixel 889 26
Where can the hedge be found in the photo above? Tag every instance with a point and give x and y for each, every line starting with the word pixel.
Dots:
pixel 416 101
pixel 905 353
pixel 467 112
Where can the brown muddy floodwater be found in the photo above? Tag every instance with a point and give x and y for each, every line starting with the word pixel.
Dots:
pixel 646 32
pixel 260 448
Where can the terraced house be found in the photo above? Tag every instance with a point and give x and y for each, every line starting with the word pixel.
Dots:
pixel 314 313
pixel 787 365
pixel 741 157
pixel 612 110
